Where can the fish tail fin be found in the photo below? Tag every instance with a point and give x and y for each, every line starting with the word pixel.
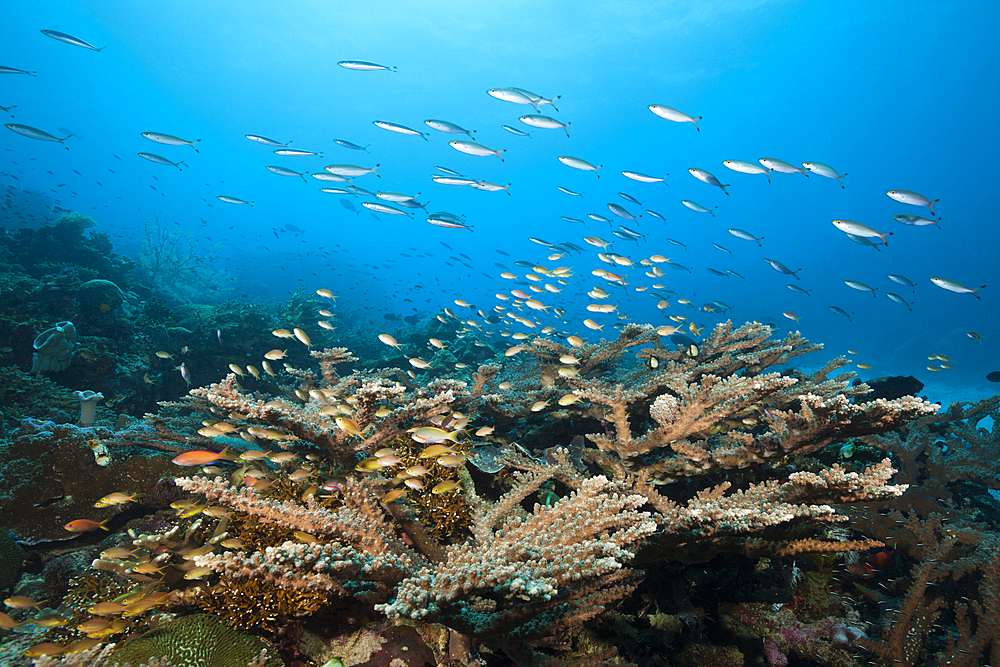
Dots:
pixel 882 236
pixel 180 163
pixel 102 526
pixel 195 147
pixel 976 290
pixel 229 456
pixel 931 205
pixel 695 123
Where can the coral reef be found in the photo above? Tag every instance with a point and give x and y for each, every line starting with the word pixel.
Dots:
pixel 447 502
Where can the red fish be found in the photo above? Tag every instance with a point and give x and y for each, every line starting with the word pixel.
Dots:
pixel 873 564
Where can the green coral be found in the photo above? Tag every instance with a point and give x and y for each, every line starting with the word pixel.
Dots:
pixel 200 640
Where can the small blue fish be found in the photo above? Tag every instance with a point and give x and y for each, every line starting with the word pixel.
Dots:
pixel 348 144
pixel 781 268
pixel 14 70
pixel 840 311
pixel 364 66
pixel 514 130
pixel 69 39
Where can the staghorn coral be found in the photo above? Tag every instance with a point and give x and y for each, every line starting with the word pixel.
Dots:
pixel 531 578
pixel 950 600
pixel 777 415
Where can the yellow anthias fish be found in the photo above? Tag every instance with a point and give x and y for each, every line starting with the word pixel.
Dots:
pixel 302 337
pixel 445 487
pixel 433 435
pixel 390 341
pixel 348 425
pixel 568 399
pixel 116 498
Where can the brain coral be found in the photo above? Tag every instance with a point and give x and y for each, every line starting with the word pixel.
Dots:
pixel 199 640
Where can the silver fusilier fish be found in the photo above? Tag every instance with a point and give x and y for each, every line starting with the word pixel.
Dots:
pixel 364 66
pixel 958 288
pixel 35 133
pixel 824 170
pixel 69 39
pixel 706 177
pixel 670 113
pixel 445 126
pixel 282 171
pixel 577 163
pixel 170 140
pixel 472 148
pixel 399 129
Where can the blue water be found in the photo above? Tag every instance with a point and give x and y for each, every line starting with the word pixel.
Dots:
pixel 896 95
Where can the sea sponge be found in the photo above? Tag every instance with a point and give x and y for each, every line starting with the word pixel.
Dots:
pixel 88 405
pixel 54 348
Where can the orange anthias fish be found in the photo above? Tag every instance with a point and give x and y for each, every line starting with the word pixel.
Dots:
pixel 85 525
pixel 202 457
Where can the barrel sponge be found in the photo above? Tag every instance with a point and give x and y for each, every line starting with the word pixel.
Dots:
pixel 11 555
pixel 199 640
